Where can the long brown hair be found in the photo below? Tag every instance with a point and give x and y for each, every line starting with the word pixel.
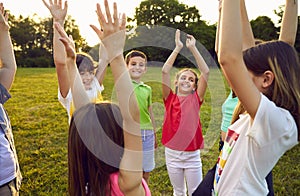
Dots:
pixel 282 59
pixel 88 174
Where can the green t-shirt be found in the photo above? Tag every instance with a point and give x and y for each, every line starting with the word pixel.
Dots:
pixel 143 94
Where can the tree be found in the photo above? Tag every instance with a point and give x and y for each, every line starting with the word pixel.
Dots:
pixel 32 39
pixel 169 13
pixel 264 29
pixel 157 21
pixel 279 13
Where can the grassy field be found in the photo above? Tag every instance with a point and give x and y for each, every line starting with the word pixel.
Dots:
pixel 41 129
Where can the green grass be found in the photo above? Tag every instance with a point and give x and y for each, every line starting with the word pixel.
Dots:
pixel 41 130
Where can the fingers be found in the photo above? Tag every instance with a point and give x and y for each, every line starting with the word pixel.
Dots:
pixel 101 18
pixel 6 16
pixel 66 5
pixel 190 37
pixel 190 41
pixel 3 15
pixel 177 35
pixel 51 2
pixel 60 30
pixel 123 23
pixel 97 31
pixel 1 8
pixel 66 40
pixel 108 15
pixel 63 34
pixel 110 22
pixel 115 15
pixel 46 4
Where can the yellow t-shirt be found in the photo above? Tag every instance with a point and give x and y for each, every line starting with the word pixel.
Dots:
pixel 97 99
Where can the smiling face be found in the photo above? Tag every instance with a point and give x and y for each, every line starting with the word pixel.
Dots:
pixel 186 83
pixel 136 67
pixel 87 78
pixel 85 66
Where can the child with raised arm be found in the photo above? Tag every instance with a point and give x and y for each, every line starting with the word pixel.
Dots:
pixel 136 62
pixel 105 147
pixel 182 131
pixel 287 34
pixel 265 82
pixel 92 78
pixel 10 175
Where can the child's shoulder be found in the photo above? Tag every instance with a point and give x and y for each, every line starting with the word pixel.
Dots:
pixel 144 85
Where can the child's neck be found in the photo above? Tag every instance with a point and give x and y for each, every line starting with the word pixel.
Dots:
pixel 137 80
pixel 183 94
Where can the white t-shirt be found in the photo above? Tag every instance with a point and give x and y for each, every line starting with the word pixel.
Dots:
pixel 92 93
pixel 251 150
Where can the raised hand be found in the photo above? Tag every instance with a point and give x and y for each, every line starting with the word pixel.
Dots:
pixel 56 9
pixel 108 24
pixel 80 97
pixel 67 41
pixel 190 41
pixel 3 19
pixel 178 43
pixel 112 33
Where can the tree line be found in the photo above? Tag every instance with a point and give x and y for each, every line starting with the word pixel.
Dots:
pixel 152 31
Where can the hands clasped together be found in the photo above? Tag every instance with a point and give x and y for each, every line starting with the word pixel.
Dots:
pixel 190 41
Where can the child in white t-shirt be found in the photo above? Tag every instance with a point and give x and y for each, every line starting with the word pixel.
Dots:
pixel 91 75
pixel 265 81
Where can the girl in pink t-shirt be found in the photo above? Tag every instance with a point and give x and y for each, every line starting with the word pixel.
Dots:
pixel 182 131
pixel 104 146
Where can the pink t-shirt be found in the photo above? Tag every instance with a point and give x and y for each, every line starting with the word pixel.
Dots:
pixel 182 128
pixel 115 189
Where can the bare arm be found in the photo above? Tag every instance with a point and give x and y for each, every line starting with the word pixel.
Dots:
pixel 247 34
pixel 59 12
pixel 9 67
pixel 102 65
pixel 153 124
pixel 166 78
pixel 289 25
pixel 201 65
pixel 218 28
pixel 130 176
pixel 80 96
pixel 103 56
pixel 231 59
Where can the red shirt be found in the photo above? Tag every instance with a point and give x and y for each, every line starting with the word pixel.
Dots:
pixel 182 128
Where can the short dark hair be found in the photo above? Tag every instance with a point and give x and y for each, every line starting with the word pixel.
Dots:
pixel 134 53
pixel 85 62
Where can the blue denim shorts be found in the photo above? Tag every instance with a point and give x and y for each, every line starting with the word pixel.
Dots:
pixel 148 150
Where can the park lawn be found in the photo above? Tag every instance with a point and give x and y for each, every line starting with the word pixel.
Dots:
pixel 40 126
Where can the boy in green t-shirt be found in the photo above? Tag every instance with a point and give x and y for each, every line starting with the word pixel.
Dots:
pixel 136 63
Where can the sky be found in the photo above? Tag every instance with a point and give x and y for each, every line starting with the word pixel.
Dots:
pixel 83 11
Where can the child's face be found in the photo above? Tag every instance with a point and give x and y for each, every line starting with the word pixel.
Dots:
pixel 136 67
pixel 87 78
pixel 186 83
pixel 258 81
